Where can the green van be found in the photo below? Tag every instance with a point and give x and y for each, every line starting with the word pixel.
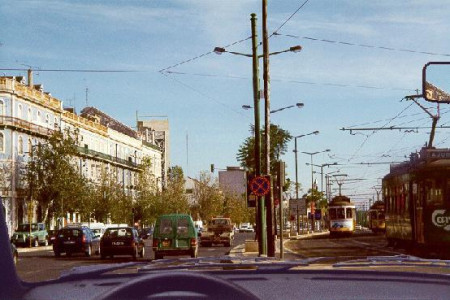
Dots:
pixel 175 234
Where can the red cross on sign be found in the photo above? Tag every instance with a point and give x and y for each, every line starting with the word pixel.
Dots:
pixel 260 185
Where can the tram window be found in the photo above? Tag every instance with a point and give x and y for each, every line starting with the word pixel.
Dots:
pixel 332 213
pixel 340 213
pixel 434 192
pixel 349 213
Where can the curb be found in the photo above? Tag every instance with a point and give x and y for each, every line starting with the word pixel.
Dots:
pixel 34 249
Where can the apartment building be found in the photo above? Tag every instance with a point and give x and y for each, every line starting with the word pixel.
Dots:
pixel 29 115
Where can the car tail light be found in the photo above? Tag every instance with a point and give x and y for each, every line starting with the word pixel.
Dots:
pixel 155 243
pixel 193 242
pixel 84 239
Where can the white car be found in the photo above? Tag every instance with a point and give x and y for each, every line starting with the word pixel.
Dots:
pixel 246 227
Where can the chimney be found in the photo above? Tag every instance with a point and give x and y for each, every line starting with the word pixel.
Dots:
pixel 30 78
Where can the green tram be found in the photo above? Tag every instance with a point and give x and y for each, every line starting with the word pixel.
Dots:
pixel 417 201
pixel 377 221
pixel 342 214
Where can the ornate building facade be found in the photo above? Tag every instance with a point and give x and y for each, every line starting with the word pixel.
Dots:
pixel 29 116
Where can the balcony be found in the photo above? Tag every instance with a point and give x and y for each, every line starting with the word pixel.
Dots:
pixel 26 126
pixel 106 157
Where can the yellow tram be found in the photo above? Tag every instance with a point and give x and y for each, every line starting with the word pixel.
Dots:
pixel 377 221
pixel 342 215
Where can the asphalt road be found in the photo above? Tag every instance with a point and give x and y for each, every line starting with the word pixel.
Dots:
pixel 39 264
pixel 360 244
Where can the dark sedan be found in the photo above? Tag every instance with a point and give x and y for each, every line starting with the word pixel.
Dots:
pixel 121 241
pixel 75 239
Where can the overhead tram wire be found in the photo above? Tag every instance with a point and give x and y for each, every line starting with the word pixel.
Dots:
pixel 204 95
pixel 165 70
pixel 70 70
pixel 290 81
pixel 288 19
pixel 364 45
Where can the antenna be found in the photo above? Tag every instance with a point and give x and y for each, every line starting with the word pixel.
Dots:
pixel 87 91
pixel 187 153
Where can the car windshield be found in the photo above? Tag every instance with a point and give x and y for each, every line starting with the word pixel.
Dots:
pixel 70 233
pixel 118 232
pixel 285 131
pixel 25 227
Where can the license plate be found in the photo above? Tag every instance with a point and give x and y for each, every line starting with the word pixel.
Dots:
pixel 117 243
pixel 166 243
pixel 69 242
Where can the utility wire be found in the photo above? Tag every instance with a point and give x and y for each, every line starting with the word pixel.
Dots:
pixel 291 81
pixel 203 94
pixel 284 23
pixel 363 45
pixel 200 56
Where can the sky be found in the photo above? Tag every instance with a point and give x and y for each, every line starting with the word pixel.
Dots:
pixel 359 60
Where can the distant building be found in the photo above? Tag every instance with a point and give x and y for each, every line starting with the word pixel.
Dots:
pixel 233 181
pixel 29 116
pixel 157 132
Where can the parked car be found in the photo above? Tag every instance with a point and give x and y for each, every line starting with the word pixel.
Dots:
pixel 37 234
pixel 145 233
pixel 51 236
pixel 246 227
pixel 97 228
pixel 76 239
pixel 175 234
pixel 121 241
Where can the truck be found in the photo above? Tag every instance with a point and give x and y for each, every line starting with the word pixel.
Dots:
pixel 219 231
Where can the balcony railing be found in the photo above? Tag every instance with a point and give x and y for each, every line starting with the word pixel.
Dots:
pixel 100 155
pixel 25 125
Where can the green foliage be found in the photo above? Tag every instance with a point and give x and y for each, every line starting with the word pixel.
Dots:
pixel 235 206
pixel 209 198
pixel 52 177
pixel 279 139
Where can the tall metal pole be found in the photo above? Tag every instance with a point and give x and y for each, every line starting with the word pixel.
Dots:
pixel 296 186
pixel 260 205
pixel 266 78
pixel 296 169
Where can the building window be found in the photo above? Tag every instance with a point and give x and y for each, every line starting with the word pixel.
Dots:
pixel 2 142
pixel 38 118
pixel 19 111
pixel 30 145
pixel 20 145
pixel 47 120
pixel 2 104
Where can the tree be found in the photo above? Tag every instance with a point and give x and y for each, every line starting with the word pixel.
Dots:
pixel 52 178
pixel 278 146
pixel 173 198
pixel 210 200
pixel 235 206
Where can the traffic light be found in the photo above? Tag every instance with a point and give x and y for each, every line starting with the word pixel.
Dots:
pixel 212 168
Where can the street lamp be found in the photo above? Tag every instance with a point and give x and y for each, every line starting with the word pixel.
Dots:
pixel 220 50
pixel 312 181
pixel 299 105
pixel 321 172
pixel 296 172
pixel 327 184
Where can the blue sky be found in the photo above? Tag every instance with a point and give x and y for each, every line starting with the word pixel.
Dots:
pixel 353 81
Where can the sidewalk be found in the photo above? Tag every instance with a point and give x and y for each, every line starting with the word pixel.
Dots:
pixel 239 251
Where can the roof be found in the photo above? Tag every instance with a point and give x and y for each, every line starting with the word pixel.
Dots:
pixel 108 121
